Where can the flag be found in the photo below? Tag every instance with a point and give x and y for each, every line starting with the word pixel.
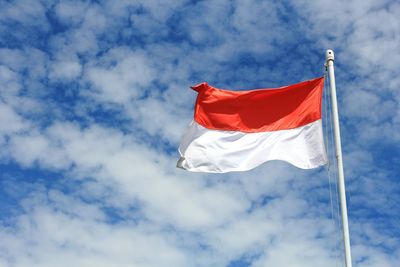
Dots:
pixel 239 130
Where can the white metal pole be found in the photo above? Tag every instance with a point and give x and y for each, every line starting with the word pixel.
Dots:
pixel 330 57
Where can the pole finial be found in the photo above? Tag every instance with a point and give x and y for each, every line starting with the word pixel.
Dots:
pixel 330 55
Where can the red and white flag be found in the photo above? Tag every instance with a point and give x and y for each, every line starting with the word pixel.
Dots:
pixel 239 130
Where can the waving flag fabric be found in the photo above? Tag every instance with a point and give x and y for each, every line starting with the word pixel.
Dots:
pixel 239 130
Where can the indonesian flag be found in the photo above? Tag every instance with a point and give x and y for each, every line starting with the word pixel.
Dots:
pixel 239 130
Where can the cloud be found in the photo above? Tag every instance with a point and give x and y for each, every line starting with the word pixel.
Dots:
pixel 81 238
pixel 27 20
pixel 66 70
pixel 122 82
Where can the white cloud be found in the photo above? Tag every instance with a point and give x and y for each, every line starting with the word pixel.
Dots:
pixel 9 81
pixel 71 13
pixel 10 121
pixel 66 70
pixel 124 81
pixel 24 12
pixel 47 236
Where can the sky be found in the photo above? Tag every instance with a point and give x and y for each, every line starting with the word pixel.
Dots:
pixel 94 97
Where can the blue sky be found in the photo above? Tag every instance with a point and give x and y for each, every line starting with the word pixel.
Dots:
pixel 94 96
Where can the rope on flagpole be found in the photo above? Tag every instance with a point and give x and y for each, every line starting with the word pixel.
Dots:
pixel 328 141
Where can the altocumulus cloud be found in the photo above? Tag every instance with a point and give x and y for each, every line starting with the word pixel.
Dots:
pixel 94 97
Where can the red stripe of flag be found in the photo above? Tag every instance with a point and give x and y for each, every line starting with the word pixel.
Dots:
pixel 259 110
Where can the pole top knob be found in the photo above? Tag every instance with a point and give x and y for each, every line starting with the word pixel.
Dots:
pixel 330 55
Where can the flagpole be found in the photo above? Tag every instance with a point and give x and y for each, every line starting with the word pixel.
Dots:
pixel 330 57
